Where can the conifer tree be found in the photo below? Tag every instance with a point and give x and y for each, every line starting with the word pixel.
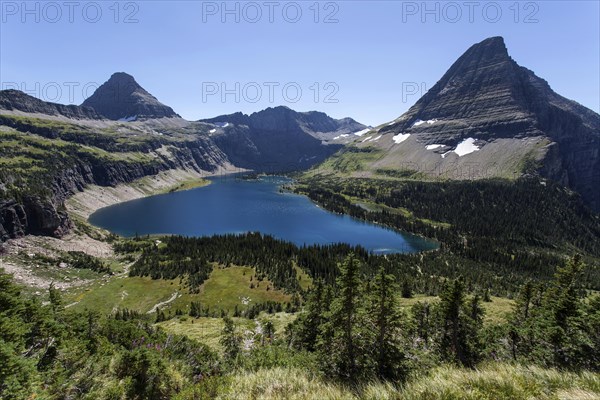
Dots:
pixel 230 340
pixel 309 323
pixel 386 318
pixel 520 335
pixel 422 321
pixel 593 331
pixel 459 324
pixel 15 371
pixel 341 344
pixel 55 298
pixel 562 326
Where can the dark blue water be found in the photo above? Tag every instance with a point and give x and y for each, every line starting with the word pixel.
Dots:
pixel 233 205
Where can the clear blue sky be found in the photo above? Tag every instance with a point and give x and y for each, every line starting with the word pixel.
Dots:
pixel 373 51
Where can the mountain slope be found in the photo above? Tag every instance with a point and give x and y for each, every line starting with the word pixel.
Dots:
pixel 279 138
pixel 122 97
pixel 489 117
pixel 15 100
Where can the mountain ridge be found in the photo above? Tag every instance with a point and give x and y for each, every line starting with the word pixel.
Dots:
pixel 279 138
pixel 16 100
pixel 317 122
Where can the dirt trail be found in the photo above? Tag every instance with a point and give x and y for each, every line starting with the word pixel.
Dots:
pixel 163 303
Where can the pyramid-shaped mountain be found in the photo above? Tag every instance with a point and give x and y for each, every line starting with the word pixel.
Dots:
pixel 489 117
pixel 122 97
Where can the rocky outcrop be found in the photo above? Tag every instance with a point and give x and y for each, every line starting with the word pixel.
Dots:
pixel 15 100
pixel 34 215
pixel 121 97
pixel 487 96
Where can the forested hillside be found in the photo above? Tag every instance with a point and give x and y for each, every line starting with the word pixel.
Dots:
pixel 351 334
pixel 507 228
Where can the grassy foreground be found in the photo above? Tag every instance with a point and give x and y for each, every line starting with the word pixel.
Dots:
pixel 490 382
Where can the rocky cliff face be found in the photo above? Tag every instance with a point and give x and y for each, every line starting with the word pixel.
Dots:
pixel 15 100
pixel 45 215
pixel 122 97
pixel 47 160
pixel 502 107
pixel 34 215
pixel 280 139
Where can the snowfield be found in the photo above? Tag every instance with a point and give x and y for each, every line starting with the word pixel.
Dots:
pixel 212 131
pixel 465 147
pixel 401 137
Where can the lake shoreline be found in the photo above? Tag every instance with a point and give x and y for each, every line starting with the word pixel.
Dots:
pixel 93 198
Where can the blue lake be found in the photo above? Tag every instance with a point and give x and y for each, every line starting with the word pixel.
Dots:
pixel 233 205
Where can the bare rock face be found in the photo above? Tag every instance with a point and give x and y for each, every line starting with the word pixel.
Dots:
pixel 15 100
pixel 122 97
pixel 487 96
pixel 32 216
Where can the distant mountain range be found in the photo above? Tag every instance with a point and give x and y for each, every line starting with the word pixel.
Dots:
pixel 275 139
pixel 280 139
pixel 486 117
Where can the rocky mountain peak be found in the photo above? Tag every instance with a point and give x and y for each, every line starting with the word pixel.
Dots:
pixel 122 97
pixel 490 49
pixel 487 100
pixel 483 78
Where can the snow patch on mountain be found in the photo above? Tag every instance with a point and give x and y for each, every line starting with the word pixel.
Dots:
pixel 465 147
pixel 434 146
pixel 401 137
pixel 421 122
